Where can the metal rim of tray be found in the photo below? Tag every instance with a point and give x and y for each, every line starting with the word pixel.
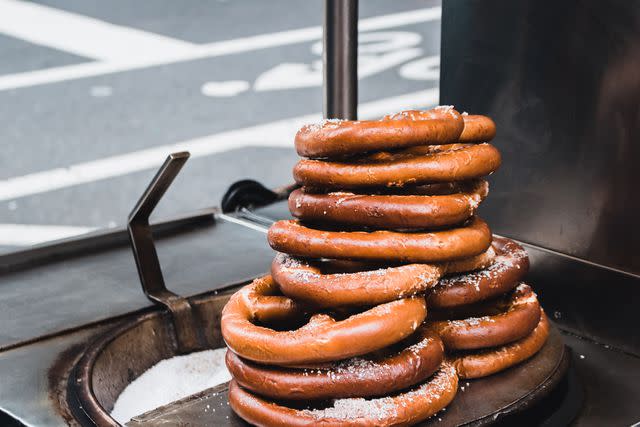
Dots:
pixel 87 409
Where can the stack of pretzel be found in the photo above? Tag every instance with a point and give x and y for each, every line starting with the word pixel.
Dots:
pixel 385 229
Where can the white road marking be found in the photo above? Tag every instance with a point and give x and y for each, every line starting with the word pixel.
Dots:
pixel 291 75
pixel 30 234
pixel 225 88
pixel 378 51
pixel 427 68
pixel 101 91
pixel 275 134
pixel 82 35
pixel 227 47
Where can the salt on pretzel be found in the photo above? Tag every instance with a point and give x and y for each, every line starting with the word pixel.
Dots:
pixel 371 375
pixel 414 208
pixel 358 284
pixel 403 409
pixel 518 314
pixel 293 238
pixel 322 339
pixel 510 266
pixel 336 138
pixel 414 166
pixel 490 361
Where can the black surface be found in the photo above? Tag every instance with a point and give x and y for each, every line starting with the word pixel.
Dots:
pixel 246 193
pixel 561 82
pixel 7 421
pixel 590 301
pixel 610 381
pixel 558 408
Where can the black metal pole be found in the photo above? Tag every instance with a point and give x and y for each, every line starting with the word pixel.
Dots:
pixel 340 58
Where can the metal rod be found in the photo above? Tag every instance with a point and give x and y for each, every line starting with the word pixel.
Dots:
pixel 188 336
pixel 340 59
pixel 144 249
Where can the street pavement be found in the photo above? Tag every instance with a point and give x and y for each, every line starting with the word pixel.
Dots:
pixel 94 95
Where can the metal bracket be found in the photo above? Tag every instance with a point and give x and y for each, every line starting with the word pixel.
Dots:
pixel 188 335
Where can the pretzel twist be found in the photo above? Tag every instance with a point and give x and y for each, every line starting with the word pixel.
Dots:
pixel 322 339
pixel 477 129
pixel 335 138
pixel 293 238
pixel 517 316
pixel 510 266
pixel 371 375
pixel 358 283
pixel 413 208
pixel 406 408
pixel 415 166
pixel 490 361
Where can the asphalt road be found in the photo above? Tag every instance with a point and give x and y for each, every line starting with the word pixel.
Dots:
pixel 94 95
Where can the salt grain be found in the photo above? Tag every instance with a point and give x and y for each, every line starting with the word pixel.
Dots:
pixel 323 124
pixel 501 264
pixel 171 380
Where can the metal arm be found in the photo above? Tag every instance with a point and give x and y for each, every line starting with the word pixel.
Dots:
pixel 144 252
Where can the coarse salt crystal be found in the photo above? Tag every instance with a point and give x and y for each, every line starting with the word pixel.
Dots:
pixel 170 380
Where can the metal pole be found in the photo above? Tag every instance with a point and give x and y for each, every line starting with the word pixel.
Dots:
pixel 340 59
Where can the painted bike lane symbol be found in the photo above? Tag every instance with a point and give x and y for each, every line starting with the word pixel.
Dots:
pixel 377 52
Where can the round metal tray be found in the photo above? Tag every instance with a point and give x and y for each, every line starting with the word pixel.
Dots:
pixel 117 358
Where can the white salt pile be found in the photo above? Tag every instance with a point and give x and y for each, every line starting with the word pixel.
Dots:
pixel 171 380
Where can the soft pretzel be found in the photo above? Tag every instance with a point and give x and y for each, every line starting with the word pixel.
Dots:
pixel 517 316
pixel 322 339
pixel 357 283
pixel 414 166
pixel 332 138
pixel 414 208
pixel 371 375
pixel 403 409
pixel 293 238
pixel 477 129
pixel 508 269
pixel 487 362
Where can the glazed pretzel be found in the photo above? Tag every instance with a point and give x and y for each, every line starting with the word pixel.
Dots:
pixel 517 316
pixel 414 208
pixel 293 238
pixel 322 339
pixel 406 408
pixel 376 375
pixel 337 138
